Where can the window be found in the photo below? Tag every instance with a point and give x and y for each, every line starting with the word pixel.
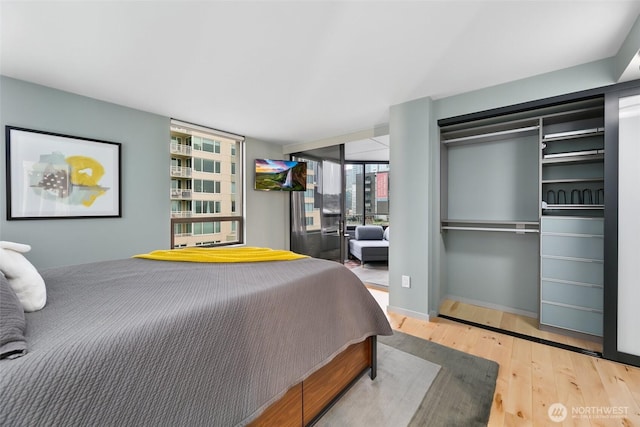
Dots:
pixel 206 228
pixel 206 144
pixel 206 212
pixel 204 165
pixel 366 197
pixel 206 186
pixel 211 206
pixel 182 229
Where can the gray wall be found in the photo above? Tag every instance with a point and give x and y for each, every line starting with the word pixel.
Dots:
pixel 409 180
pixel 417 247
pixel 145 180
pixel 496 269
pixel 574 79
pixel 145 222
pixel 628 50
pixel 267 216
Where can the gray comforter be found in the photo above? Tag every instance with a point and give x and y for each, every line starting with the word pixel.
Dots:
pixel 141 342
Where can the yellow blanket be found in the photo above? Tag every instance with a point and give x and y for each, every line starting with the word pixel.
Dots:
pixel 240 254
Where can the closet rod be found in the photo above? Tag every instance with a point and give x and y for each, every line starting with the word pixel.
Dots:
pixel 511 230
pixel 491 134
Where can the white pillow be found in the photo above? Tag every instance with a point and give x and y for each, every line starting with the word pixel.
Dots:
pixel 23 277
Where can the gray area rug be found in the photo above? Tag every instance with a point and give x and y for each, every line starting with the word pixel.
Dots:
pixel 373 273
pixel 460 395
pixel 390 400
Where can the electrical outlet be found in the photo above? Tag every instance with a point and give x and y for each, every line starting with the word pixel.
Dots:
pixel 406 281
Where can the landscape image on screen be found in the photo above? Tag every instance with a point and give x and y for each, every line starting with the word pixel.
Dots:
pixel 280 175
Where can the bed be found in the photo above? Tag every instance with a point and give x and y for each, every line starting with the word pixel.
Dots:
pixel 144 342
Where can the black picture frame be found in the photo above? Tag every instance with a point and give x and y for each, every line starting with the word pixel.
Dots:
pixel 56 176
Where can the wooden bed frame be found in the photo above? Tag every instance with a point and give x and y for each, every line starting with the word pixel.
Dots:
pixel 306 401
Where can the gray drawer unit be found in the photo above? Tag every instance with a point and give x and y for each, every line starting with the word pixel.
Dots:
pixel 572 225
pixel 572 273
pixel 575 319
pixel 581 295
pixel 572 270
pixel 572 246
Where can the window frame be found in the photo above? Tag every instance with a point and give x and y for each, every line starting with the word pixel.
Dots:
pixel 234 156
pixel 363 196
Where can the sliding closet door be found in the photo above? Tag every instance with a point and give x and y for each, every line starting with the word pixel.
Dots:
pixel 622 222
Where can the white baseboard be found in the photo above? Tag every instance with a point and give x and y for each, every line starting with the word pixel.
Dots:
pixel 409 313
pixel 490 305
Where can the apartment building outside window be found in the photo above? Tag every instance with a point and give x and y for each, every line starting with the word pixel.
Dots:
pixel 206 186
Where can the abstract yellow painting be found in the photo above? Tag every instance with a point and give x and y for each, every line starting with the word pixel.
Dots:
pixel 60 176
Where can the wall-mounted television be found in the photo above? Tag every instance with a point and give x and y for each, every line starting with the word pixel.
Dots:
pixel 280 175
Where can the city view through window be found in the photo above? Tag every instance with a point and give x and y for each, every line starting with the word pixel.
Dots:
pixel 366 193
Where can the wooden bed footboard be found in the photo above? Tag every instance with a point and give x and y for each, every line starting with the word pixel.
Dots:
pixel 305 402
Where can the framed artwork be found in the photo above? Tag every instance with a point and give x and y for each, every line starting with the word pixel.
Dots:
pixel 50 175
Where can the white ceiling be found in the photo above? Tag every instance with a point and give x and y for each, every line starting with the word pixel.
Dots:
pixel 290 72
pixel 369 149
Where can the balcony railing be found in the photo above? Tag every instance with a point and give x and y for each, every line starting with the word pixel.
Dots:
pixel 180 194
pixel 181 171
pixel 183 231
pixel 181 214
pixel 183 149
pixel 182 234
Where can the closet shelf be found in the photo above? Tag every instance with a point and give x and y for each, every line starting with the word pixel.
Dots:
pixel 573 207
pixel 518 227
pixel 577 158
pixel 510 230
pixel 488 221
pixel 571 180
pixel 490 135
pixel 582 133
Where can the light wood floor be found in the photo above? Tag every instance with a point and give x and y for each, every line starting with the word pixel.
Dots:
pixel 534 376
pixel 511 322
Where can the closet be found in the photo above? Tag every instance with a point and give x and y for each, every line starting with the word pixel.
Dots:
pixel 539 213
pixel 522 202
